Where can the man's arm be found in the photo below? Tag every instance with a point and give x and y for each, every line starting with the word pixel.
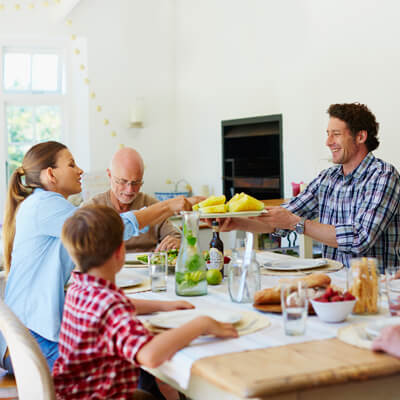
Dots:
pixel 282 218
pixel 376 209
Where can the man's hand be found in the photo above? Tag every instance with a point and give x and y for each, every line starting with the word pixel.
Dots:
pixel 176 305
pixel 281 218
pixel 388 341
pixel 168 243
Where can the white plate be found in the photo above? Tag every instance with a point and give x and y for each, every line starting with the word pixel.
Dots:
pixel 174 319
pixel 128 278
pixel 131 258
pixel 239 214
pixel 294 265
pixel 374 329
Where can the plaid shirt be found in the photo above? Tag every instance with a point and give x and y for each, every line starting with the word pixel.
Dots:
pixel 99 339
pixel 363 206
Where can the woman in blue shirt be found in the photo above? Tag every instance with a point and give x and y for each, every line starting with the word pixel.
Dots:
pixel 37 263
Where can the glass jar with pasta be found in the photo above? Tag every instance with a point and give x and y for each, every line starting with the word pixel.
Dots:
pixel 364 285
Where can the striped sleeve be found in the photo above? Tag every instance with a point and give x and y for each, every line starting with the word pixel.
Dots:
pixel 379 204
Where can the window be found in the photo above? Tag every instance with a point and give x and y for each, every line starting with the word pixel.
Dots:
pixel 33 93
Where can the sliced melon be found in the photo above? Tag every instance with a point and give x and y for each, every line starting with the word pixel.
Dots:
pixel 236 197
pixel 212 201
pixel 219 208
pixel 246 203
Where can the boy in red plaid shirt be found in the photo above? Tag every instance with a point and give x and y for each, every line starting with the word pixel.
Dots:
pixel 102 343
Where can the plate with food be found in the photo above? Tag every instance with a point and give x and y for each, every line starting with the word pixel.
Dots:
pixel 269 299
pixel 141 259
pixel 241 205
pixel 175 319
pixel 239 214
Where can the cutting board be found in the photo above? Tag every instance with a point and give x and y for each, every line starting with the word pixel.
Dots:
pixel 276 308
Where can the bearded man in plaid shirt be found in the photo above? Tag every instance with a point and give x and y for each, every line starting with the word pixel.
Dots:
pixel 356 202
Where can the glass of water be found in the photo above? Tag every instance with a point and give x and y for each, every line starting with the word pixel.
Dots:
pixel 294 301
pixel 158 270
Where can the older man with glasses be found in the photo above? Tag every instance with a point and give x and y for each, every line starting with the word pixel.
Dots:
pixel 126 178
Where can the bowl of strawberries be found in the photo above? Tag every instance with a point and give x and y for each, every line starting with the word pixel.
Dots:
pixel 333 305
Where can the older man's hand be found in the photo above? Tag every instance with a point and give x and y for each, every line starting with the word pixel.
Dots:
pixel 168 243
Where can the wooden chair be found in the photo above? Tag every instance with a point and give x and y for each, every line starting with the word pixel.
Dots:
pixel 31 371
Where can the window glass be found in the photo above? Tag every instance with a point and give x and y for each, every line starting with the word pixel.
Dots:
pixel 45 72
pixel 19 124
pixel 17 71
pixel 48 123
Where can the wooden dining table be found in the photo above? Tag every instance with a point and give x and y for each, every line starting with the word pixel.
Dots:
pixel 325 369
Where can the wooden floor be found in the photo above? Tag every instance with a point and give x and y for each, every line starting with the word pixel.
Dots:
pixel 8 387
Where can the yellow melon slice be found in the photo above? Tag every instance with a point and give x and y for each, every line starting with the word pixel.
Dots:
pixel 212 201
pixel 246 203
pixel 236 197
pixel 219 208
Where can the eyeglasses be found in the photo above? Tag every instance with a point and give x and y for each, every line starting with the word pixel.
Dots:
pixel 124 182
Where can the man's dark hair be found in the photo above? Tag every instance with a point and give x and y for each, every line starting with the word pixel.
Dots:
pixel 358 118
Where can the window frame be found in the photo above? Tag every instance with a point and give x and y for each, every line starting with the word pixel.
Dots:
pixel 33 51
pixel 61 97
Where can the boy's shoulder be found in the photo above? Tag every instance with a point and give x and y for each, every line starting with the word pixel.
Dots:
pixel 96 295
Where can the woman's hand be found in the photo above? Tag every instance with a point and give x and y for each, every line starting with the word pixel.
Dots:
pixel 176 305
pixel 179 203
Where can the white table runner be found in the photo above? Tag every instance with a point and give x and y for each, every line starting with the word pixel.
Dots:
pixel 179 367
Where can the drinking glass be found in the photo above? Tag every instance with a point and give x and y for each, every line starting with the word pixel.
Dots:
pixel 158 270
pixel 364 285
pixel 294 301
pixel 393 289
pixel 243 280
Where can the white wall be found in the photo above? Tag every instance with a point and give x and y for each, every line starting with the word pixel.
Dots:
pixel 128 49
pixel 197 63
pixel 131 53
pixel 258 57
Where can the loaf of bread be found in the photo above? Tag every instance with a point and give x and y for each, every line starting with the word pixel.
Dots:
pixel 273 295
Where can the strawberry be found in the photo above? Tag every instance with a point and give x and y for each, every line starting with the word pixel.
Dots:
pixel 227 260
pixel 348 296
pixel 329 292
pixel 322 299
pixel 336 298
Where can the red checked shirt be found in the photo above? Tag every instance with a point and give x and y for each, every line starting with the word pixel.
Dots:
pixel 99 339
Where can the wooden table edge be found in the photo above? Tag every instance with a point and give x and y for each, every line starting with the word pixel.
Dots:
pixel 382 366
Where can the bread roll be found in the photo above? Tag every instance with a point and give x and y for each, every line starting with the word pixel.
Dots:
pixel 273 295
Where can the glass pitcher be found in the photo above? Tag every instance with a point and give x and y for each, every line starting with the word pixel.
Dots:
pixel 243 279
pixel 190 270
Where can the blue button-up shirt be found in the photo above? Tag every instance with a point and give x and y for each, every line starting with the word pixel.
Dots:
pixel 40 265
pixel 364 207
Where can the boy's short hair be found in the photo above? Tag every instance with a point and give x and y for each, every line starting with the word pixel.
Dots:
pixel 92 235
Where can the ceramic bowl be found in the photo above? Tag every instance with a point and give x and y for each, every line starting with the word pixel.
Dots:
pixel 336 311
